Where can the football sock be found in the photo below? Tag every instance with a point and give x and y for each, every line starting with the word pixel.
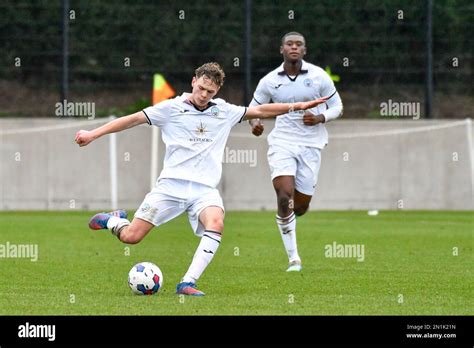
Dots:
pixel 205 252
pixel 287 227
pixel 116 224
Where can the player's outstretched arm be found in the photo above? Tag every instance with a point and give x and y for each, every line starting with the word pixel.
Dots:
pixel 84 137
pixel 273 110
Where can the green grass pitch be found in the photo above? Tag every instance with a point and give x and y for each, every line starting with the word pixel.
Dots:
pixel 416 263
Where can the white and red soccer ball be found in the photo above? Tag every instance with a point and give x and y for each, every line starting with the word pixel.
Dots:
pixel 145 278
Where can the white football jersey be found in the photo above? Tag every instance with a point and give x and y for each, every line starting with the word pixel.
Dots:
pixel 312 82
pixel 195 140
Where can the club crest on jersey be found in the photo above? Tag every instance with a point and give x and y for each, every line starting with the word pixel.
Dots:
pixel 215 111
pixel 308 82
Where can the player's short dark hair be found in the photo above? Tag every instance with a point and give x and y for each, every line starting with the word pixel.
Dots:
pixel 213 71
pixel 291 33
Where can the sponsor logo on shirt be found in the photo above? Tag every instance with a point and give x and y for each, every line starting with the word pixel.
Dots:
pixel 201 129
pixel 308 82
pixel 201 133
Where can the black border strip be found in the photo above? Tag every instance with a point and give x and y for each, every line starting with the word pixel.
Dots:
pixel 346 330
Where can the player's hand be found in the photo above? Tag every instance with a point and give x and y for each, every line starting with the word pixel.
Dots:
pixel 311 104
pixel 84 137
pixel 257 127
pixel 310 119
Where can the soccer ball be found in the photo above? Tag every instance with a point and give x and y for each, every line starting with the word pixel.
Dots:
pixel 145 278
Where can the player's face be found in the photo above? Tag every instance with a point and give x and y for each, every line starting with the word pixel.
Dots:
pixel 293 49
pixel 203 91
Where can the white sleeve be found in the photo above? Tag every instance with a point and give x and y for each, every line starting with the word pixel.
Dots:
pixel 334 103
pixel 235 113
pixel 261 94
pixel 158 114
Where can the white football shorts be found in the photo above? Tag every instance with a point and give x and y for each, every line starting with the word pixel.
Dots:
pixel 172 197
pixel 302 162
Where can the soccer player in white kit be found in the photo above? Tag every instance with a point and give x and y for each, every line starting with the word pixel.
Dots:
pixel 195 129
pixel 295 144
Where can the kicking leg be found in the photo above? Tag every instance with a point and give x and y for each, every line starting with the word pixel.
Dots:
pixel 135 232
pixel 116 222
pixel 286 220
pixel 212 218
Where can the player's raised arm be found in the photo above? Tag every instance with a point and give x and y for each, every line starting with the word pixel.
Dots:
pixel 273 110
pixel 84 137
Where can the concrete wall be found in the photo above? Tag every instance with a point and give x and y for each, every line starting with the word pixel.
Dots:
pixel 367 165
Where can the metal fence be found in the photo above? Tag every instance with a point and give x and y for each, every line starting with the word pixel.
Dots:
pixel 106 52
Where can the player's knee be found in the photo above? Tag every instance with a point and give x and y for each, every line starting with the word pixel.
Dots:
pixel 215 224
pixel 301 210
pixel 130 235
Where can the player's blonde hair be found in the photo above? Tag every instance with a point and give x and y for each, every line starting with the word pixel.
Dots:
pixel 213 71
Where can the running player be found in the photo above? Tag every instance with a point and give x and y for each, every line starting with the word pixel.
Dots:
pixel 295 144
pixel 195 129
